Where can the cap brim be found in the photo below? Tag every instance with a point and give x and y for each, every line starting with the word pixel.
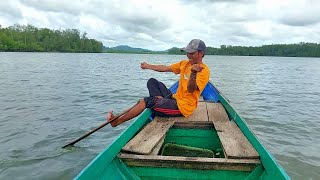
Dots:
pixel 188 50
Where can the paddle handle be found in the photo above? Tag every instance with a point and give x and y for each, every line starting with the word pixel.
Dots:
pixel 97 128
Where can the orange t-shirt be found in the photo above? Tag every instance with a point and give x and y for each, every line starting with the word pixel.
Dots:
pixel 187 102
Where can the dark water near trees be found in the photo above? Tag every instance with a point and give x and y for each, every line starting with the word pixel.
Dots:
pixel 49 99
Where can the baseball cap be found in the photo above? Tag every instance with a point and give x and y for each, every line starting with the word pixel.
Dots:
pixel 194 45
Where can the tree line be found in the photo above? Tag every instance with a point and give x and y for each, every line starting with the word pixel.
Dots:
pixel 30 38
pixel 290 50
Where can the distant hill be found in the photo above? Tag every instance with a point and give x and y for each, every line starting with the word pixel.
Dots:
pixel 126 49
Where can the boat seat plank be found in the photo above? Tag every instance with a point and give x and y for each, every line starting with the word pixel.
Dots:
pixel 199 114
pixel 234 143
pixel 218 115
pixel 189 162
pixel 193 125
pixel 146 140
pixel 157 148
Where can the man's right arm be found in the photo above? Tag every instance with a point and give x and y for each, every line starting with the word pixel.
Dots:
pixel 159 68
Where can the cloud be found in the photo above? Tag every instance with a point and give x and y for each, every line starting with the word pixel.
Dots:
pixel 292 12
pixel 9 12
pixel 304 17
pixel 160 25
pixel 10 9
pixel 217 1
pixel 73 7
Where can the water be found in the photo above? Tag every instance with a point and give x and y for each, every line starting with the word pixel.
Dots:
pixel 50 99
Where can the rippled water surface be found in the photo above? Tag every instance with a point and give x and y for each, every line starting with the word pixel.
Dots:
pixel 49 99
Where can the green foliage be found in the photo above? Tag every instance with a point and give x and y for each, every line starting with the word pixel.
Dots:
pixel 175 50
pixel 290 50
pixel 110 50
pixel 130 50
pixel 30 38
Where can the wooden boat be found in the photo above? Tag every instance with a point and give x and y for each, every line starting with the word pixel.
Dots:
pixel 142 151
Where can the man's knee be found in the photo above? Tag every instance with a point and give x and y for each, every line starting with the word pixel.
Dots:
pixel 150 102
pixel 152 81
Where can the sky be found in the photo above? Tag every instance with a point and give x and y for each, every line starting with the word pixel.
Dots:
pixel 163 24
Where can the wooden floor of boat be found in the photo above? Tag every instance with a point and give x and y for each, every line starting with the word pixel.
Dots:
pixel 238 151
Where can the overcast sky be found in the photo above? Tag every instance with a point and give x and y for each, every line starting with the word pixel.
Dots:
pixel 160 25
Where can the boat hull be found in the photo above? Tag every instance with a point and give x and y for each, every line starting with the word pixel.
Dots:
pixel 108 165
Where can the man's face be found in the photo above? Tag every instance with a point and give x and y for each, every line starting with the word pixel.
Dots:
pixel 194 57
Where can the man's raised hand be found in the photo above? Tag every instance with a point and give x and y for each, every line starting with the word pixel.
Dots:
pixel 144 65
pixel 197 68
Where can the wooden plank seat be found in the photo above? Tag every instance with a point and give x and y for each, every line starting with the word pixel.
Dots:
pixel 157 147
pixel 199 114
pixel 189 162
pixel 234 143
pixel 193 125
pixel 149 137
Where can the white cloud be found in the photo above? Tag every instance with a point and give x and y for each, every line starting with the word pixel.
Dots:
pixel 160 25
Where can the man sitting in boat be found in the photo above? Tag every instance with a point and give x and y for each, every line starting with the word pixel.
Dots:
pixel 194 75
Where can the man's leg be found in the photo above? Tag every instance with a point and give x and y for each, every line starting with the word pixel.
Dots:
pixel 166 108
pixel 157 88
pixel 135 111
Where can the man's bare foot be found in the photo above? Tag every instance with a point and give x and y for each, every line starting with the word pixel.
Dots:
pixel 109 117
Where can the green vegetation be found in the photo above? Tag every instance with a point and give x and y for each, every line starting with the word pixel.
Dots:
pixel 30 38
pixel 130 50
pixel 290 50
pixel 112 50
pixel 176 50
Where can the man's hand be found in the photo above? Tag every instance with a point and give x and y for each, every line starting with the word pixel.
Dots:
pixel 192 85
pixel 144 65
pixel 159 68
pixel 196 68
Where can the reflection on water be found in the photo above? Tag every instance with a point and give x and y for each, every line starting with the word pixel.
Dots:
pixel 48 99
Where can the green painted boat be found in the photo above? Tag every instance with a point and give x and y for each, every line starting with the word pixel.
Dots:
pixel 213 143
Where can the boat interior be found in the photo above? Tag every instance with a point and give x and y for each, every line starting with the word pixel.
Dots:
pixel 207 144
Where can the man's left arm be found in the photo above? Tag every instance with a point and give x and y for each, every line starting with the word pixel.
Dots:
pixel 192 83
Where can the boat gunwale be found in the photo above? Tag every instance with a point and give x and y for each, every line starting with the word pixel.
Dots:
pixel 111 151
pixel 267 159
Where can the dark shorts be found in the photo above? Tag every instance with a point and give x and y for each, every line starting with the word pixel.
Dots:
pixel 160 100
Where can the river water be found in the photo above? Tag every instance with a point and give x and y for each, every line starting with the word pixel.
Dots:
pixel 50 99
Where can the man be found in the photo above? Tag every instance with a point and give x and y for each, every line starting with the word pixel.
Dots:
pixel 194 75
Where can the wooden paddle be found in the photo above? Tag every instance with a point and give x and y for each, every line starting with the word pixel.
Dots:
pixel 101 126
